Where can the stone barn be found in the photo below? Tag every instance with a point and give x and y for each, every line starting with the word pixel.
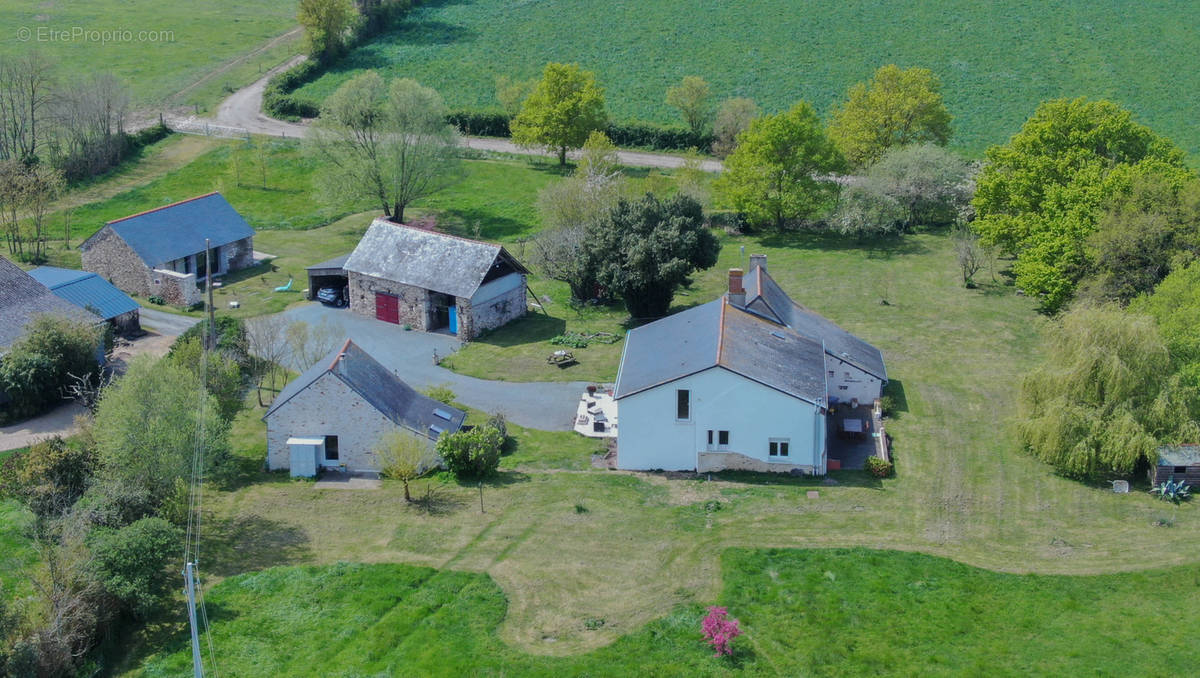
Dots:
pixel 161 252
pixel 93 293
pixel 433 281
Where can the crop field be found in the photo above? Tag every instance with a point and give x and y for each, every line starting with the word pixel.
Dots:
pixel 157 48
pixel 997 60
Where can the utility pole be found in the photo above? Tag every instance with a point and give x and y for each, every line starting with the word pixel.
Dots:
pixel 212 321
pixel 189 579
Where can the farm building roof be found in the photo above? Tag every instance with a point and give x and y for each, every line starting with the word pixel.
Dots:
pixel 178 230
pixel 85 290
pixel 765 297
pixel 719 334
pixel 1179 455
pixel 427 259
pixel 385 391
pixel 336 264
pixel 22 298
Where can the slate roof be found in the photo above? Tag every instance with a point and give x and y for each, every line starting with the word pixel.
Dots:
pixel 85 290
pixel 1179 455
pixel 178 230
pixel 765 297
pixel 385 391
pixel 719 334
pixel 427 259
pixel 22 299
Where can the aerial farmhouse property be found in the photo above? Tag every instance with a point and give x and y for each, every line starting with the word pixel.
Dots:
pixel 336 412
pixel 432 281
pixel 161 252
pixel 745 382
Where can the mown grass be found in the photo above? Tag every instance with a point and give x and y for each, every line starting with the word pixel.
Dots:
pixel 997 61
pixel 203 38
pixel 16 549
pixel 836 612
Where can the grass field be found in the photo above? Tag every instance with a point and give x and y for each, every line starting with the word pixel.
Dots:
pixel 16 551
pixel 997 60
pixel 157 48
pixel 804 612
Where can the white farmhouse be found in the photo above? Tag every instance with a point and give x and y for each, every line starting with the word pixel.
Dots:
pixel 743 382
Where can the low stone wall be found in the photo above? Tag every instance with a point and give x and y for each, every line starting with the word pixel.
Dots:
pixel 711 462
pixel 177 289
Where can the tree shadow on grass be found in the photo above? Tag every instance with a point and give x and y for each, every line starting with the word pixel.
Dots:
pixel 251 542
pixel 530 328
pixel 461 222
pixel 895 390
pixel 436 501
pixel 879 247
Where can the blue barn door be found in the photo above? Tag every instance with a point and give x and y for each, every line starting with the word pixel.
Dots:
pixel 453 320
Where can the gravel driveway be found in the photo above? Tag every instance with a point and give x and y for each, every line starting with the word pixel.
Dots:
pixel 549 406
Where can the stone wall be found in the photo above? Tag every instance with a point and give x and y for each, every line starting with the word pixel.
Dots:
pixel 177 289
pixel 238 255
pixel 126 322
pixel 115 261
pixel 328 407
pixel 413 304
pixel 732 461
pixel 491 313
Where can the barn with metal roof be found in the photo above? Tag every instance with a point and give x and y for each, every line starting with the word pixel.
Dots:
pixel 90 291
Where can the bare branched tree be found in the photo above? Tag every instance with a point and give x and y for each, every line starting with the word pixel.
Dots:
pixel 267 343
pixel 969 253
pixel 307 344
pixel 26 91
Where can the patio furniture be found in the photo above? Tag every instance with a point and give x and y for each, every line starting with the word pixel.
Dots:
pixel 561 359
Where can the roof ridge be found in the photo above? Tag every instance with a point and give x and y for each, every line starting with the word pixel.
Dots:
pixel 156 209
pixel 389 222
pixel 340 354
pixel 721 329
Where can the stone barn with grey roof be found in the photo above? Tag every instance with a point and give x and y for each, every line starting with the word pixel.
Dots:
pixel 335 414
pixel 161 252
pixel 23 298
pixel 432 281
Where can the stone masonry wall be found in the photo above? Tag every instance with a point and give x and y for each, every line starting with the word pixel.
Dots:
pixel 238 255
pixel 328 407
pixel 116 262
pixel 177 289
pixel 472 320
pixel 413 304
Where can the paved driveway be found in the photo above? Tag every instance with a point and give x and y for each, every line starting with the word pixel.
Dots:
pixel 171 324
pixel 549 406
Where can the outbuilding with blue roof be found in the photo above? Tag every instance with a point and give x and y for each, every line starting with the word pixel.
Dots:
pixel 91 292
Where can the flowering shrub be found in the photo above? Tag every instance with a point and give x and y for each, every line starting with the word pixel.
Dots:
pixel 719 630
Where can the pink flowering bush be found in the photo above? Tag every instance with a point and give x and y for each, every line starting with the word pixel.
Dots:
pixel 719 630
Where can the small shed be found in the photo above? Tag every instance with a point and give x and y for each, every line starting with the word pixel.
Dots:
pixel 330 273
pixel 1178 462
pixel 90 291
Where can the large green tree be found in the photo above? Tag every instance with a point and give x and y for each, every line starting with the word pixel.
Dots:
pixel 646 249
pixel 565 107
pixel 150 423
pixel 390 144
pixel 897 107
pixel 326 24
pixel 1105 396
pixel 693 97
pixel 781 169
pixel 1039 196
pixel 1175 306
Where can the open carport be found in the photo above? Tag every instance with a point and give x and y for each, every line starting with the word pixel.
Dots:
pixel 327 274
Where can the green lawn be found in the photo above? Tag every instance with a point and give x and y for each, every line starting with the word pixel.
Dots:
pixel 997 60
pixel 157 48
pixel 16 550
pixel 837 612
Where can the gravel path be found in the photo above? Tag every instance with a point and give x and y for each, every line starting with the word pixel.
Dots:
pixel 549 406
pixel 244 109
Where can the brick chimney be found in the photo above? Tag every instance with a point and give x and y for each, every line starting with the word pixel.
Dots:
pixel 758 261
pixel 737 293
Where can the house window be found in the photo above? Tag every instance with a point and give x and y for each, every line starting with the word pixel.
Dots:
pixel 683 404
pixel 847 374
pixel 331 448
pixel 831 373
pixel 722 438
pixel 710 436
pixel 778 447
pixel 187 265
pixel 843 387
pixel 1180 469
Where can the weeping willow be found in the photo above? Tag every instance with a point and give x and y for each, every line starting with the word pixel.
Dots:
pixel 1105 397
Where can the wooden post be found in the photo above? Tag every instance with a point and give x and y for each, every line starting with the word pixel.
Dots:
pixel 481 497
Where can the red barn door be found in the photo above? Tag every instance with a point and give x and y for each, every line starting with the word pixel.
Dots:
pixel 387 308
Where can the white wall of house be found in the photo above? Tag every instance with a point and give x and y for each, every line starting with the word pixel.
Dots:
pixel 847 382
pixel 650 437
pixel 328 407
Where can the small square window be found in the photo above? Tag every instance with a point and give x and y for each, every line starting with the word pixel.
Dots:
pixel 831 373
pixel 1180 469
pixel 777 448
pixel 683 404
pixel 722 437
pixel 843 387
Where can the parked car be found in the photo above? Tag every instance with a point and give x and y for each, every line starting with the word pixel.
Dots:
pixel 338 295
